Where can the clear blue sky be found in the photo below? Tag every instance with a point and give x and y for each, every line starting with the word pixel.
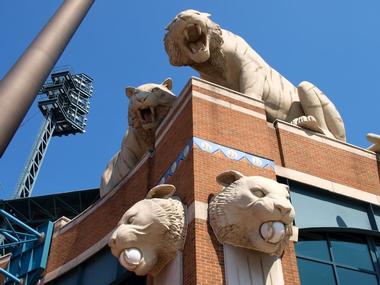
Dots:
pixel 334 44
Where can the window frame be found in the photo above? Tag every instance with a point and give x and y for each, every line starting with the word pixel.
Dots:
pixel 370 237
pixel 295 187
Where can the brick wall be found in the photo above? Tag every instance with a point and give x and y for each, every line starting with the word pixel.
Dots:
pixel 172 142
pixel 231 128
pixel 229 125
pixel 208 256
pixel 214 114
pixel 327 161
pixel 289 266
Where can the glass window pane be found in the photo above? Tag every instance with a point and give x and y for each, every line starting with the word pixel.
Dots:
pixel 318 209
pixel 351 277
pixel 377 215
pixel 313 246
pixel 352 251
pixel 378 252
pixel 315 273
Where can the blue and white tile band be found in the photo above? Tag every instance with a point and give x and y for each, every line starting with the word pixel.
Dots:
pixel 174 166
pixel 214 148
pixel 233 154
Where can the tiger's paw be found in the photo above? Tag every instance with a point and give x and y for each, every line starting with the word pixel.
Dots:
pixel 375 139
pixel 309 123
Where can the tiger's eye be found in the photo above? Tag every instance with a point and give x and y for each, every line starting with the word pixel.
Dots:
pixel 130 220
pixel 258 193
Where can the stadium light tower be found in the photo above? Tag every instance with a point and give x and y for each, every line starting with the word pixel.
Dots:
pixel 65 110
pixel 20 85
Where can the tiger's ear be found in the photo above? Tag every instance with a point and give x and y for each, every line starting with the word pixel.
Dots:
pixel 286 187
pixel 168 83
pixel 163 191
pixel 130 91
pixel 228 177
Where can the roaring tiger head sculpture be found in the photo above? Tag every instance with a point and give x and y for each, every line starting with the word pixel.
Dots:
pixel 151 232
pixel 193 38
pixel 253 212
pixel 148 106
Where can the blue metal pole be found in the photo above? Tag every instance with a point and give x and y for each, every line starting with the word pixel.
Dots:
pixel 17 243
pixel 9 236
pixel 17 233
pixel 19 223
pixel 9 275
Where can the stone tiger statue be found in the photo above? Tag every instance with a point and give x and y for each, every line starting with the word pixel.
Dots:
pixel 252 212
pixel 148 106
pixel 151 232
pixel 224 58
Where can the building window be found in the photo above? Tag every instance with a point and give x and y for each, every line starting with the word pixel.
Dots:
pixel 337 258
pixel 331 209
pixel 339 238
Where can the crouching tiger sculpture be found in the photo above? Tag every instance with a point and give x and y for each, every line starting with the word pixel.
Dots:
pixel 224 58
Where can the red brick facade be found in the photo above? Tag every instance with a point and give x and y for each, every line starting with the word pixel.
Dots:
pixel 208 112
pixel 329 162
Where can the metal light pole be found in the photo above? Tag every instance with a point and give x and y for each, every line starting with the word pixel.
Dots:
pixel 65 110
pixel 21 84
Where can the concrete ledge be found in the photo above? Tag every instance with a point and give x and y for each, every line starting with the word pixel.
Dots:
pixel 281 125
pixel 327 185
pixel 229 105
pixel 60 223
pixel 223 91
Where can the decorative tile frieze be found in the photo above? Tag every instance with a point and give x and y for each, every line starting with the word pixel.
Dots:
pixel 214 148
pixel 233 154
